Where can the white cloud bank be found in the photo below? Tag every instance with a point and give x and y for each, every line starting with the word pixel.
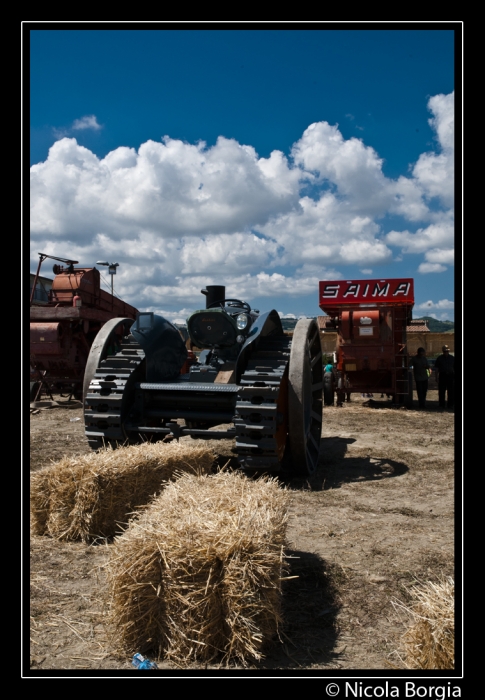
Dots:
pixel 178 216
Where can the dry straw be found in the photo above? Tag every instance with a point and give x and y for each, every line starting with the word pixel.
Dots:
pixel 197 576
pixel 92 496
pixel 428 642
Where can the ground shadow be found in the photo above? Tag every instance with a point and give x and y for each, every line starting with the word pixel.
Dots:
pixel 226 462
pixel 332 450
pixel 309 609
pixel 431 405
pixel 350 470
pixel 335 469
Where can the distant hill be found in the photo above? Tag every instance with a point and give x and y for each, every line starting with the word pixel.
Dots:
pixel 438 326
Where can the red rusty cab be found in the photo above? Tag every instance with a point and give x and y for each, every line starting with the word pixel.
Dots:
pixel 370 317
pixel 63 328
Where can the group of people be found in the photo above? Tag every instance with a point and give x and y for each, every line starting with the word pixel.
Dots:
pixel 332 384
pixel 445 374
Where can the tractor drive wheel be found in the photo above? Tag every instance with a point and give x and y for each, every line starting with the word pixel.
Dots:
pixel 109 369
pixel 305 397
pixel 102 347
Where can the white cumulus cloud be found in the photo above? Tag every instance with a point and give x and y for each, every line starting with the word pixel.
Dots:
pixel 434 172
pixel 170 189
pixel 354 168
pixel 327 233
pixel 87 122
pixel 443 256
pixel 425 268
pixel 436 236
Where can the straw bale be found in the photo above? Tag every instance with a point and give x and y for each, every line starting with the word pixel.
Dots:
pixel 39 502
pixel 90 496
pixel 428 643
pixel 197 576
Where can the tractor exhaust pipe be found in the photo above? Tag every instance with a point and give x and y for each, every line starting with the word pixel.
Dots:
pixel 213 293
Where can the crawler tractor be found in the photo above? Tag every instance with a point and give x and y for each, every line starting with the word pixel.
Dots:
pixel 250 382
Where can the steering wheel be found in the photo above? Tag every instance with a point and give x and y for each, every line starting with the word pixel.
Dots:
pixel 231 302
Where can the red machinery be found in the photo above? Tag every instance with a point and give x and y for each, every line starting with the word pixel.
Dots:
pixel 63 329
pixel 370 317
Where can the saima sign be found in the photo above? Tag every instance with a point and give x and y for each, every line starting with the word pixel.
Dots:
pixel 366 292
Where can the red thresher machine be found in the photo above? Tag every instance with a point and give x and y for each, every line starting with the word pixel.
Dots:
pixel 63 329
pixel 370 317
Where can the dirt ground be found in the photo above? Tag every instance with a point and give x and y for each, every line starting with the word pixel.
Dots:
pixel 377 516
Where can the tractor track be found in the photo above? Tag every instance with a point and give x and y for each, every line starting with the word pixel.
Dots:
pixel 261 408
pixel 107 395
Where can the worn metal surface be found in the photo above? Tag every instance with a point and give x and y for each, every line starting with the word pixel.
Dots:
pixel 305 396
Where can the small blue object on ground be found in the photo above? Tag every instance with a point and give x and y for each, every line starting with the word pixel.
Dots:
pixel 140 662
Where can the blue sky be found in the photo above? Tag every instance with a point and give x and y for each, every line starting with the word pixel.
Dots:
pixel 263 159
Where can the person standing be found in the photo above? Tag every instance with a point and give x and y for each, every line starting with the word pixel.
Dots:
pixel 445 376
pixel 347 386
pixel 422 371
pixel 329 383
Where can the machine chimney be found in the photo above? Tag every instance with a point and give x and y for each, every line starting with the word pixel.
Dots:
pixel 213 293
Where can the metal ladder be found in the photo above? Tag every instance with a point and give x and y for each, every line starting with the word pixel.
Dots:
pixel 401 359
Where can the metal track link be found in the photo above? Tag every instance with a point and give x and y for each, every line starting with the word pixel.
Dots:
pixel 104 399
pixel 257 416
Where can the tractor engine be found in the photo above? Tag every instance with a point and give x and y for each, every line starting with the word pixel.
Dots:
pixel 220 331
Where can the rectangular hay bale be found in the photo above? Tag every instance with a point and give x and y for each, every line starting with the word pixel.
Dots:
pixel 91 496
pixel 197 576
